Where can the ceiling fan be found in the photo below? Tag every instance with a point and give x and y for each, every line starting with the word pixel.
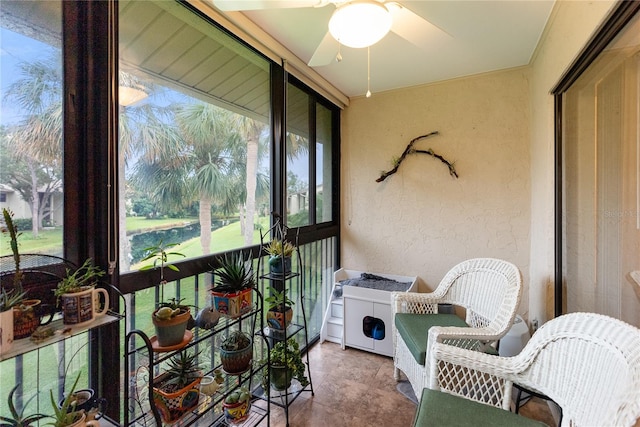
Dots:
pixel 354 23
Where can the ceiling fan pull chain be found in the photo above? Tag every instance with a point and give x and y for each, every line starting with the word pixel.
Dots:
pixel 339 55
pixel 368 72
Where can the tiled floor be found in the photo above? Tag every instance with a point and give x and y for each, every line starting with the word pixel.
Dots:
pixel 356 389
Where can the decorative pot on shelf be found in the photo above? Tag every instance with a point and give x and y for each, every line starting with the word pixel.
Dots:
pixel 280 377
pixel 279 319
pixel 280 265
pixel 233 304
pixel 79 308
pixel 171 331
pixel 6 331
pixel 27 318
pixel 173 405
pixel 236 359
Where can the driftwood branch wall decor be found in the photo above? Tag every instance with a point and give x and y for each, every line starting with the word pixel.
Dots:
pixel 411 150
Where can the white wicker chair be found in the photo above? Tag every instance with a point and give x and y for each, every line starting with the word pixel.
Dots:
pixel 589 364
pixel 489 289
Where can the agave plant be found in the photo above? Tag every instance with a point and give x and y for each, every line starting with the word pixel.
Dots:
pixel 10 299
pixel 235 273
pixel 65 414
pixel 18 419
pixel 183 370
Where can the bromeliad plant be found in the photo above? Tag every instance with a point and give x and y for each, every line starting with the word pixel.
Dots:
pixel 182 371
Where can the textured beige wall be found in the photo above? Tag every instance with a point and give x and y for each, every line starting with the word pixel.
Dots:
pixel 421 221
pixel 569 28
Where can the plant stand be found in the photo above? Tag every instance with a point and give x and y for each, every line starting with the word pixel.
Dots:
pixel 289 282
pixel 143 362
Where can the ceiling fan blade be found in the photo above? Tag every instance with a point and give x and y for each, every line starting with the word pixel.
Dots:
pixel 238 5
pixel 412 27
pixel 325 52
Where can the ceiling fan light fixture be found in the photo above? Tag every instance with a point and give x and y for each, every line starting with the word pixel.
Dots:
pixel 360 23
pixel 130 95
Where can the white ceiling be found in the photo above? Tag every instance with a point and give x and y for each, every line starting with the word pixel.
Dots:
pixel 471 37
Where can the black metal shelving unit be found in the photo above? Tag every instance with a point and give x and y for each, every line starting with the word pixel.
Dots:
pixel 140 408
pixel 281 282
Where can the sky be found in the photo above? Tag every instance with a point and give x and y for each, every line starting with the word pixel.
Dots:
pixel 15 48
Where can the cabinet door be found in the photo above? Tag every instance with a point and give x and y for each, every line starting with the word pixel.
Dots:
pixel 354 312
pixel 384 346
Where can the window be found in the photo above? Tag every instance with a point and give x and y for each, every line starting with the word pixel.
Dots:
pixel 194 134
pixel 31 124
pixel 309 156
pixel 32 180
pixel 599 213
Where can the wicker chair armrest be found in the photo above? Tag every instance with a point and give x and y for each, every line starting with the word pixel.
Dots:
pixel 471 374
pixel 447 333
pixel 413 302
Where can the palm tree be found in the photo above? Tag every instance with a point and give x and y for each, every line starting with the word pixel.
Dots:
pixel 146 130
pixel 36 141
pixel 211 137
pixel 251 131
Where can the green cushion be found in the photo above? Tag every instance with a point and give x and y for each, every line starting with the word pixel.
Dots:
pixel 413 328
pixel 442 409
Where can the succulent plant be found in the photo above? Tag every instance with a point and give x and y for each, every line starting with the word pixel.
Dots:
pixel 183 370
pixel 235 273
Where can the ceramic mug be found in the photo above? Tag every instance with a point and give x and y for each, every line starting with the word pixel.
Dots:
pixel 86 400
pixel 83 306
pixel 82 422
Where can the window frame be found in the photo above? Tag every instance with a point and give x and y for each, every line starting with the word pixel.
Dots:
pixel 617 19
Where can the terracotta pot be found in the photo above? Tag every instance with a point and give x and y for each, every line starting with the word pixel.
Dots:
pixel 170 332
pixel 82 422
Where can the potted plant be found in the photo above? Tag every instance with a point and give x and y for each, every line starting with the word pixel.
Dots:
pixel 18 419
pixel 66 415
pixel 280 252
pixel 236 352
pixel 8 300
pixel 171 317
pixel 279 309
pixel 25 320
pixel 237 405
pixel 233 288
pixel 170 321
pixel 176 391
pixel 285 364
pixel 77 294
